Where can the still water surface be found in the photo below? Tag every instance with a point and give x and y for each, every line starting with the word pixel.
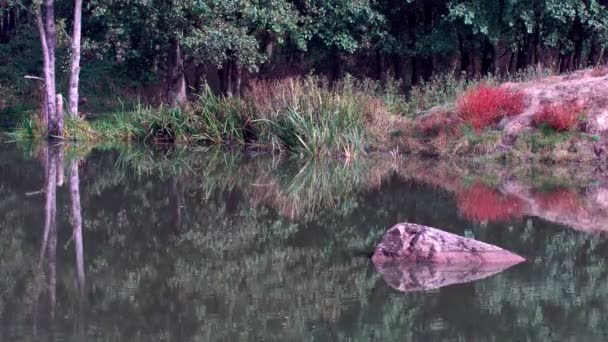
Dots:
pixel 212 246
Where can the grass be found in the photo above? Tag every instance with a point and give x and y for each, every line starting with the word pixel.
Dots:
pixel 308 117
pixel 301 116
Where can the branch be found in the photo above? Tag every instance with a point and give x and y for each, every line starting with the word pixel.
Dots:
pixel 29 77
pixel 27 9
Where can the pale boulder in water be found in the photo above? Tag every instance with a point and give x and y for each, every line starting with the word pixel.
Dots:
pixel 412 243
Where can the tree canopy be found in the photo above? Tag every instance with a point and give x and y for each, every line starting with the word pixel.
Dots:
pixel 229 41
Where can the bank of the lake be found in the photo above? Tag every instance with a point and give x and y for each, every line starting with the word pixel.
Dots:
pixel 557 119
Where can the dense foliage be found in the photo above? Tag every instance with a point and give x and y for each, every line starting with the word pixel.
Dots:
pixel 226 42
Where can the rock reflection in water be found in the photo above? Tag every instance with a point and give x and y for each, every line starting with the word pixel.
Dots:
pixel 208 248
pixel 417 277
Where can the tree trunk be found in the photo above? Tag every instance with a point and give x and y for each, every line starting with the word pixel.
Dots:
pixel 594 50
pixel 397 67
pixel 269 43
pixel 578 37
pixel 49 82
pixel 75 59
pixel 51 40
pixel 380 67
pixel 4 23
pixel 238 79
pixel 465 60
pixel 427 67
pixel 521 62
pixel 176 81
pixel 337 70
pixel 488 58
pixel 414 71
pixel 229 78
pixel 221 75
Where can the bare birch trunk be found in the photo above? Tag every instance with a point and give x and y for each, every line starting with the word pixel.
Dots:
pixel 49 85
pixel 56 128
pixel 75 60
pixel 176 81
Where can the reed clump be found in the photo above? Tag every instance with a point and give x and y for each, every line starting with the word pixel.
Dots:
pixel 299 115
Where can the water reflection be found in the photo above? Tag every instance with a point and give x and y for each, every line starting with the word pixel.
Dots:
pixel 217 246
pixel 410 278
pixel 78 246
pixel 44 277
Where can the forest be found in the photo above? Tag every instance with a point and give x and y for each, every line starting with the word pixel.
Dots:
pixel 226 170
pixel 316 77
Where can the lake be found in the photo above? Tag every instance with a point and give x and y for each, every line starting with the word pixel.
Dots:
pixel 215 245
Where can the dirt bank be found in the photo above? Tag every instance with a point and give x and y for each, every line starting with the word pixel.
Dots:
pixel 441 133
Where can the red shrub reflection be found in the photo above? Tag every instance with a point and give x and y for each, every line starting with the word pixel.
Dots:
pixel 480 203
pixel 564 201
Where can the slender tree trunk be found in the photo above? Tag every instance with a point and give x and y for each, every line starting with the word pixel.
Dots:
pixel 221 74
pixel 49 83
pixel 414 70
pixel 397 67
pixel 488 58
pixel 176 81
pixel 51 40
pixel 427 67
pixel 4 23
pixel 565 63
pixel 578 37
pixel 269 43
pixel 593 51
pixel 337 71
pixel 521 62
pixel 380 67
pixel 229 78
pixel 75 59
pixel 511 66
pixel 238 79
pixel 412 23
pixel 465 61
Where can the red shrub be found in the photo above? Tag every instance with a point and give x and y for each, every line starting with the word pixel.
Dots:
pixel 559 116
pixel 480 203
pixel 485 105
pixel 599 71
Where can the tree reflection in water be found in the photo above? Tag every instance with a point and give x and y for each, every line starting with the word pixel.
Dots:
pixel 214 246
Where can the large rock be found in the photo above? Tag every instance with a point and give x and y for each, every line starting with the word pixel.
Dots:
pixel 412 243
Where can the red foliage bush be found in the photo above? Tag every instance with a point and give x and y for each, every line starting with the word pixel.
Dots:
pixel 559 116
pixel 480 203
pixel 485 105
pixel 599 72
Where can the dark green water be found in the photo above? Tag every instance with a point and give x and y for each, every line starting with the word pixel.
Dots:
pixel 216 247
